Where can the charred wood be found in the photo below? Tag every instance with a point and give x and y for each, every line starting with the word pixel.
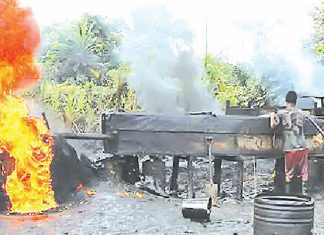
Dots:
pixel 67 171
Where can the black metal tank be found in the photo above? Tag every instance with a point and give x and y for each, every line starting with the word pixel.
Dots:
pixel 283 215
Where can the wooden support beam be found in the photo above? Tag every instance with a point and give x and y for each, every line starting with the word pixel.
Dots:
pixel 239 187
pixel 190 178
pixel 279 179
pixel 175 172
pixel 217 174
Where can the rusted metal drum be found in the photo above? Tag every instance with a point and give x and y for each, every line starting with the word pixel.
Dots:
pixel 197 209
pixel 283 215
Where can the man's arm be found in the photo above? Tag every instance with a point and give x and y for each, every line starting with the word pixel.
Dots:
pixel 274 120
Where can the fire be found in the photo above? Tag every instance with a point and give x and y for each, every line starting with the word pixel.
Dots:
pixel 80 187
pixel 91 192
pixel 24 139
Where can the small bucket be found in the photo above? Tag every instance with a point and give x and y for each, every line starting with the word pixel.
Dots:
pixel 197 209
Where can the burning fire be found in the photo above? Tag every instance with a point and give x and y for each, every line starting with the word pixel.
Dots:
pixel 24 139
pixel 89 192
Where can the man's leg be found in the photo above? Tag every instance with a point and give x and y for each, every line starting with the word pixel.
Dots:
pixel 296 171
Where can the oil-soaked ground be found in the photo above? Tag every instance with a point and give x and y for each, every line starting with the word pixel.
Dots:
pixel 111 211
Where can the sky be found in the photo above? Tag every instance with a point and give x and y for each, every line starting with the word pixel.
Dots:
pixel 218 15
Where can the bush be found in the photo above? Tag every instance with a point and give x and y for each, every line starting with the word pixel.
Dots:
pixel 81 106
pixel 234 83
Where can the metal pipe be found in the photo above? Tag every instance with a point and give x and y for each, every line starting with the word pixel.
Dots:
pixel 211 188
pixel 45 120
pixel 209 140
pixel 85 136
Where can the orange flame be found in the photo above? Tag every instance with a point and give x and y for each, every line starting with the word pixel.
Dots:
pixel 91 192
pixel 25 139
pixel 80 187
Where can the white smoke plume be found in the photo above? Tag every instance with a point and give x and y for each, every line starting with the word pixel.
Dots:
pixel 166 74
pixel 273 38
pixel 56 124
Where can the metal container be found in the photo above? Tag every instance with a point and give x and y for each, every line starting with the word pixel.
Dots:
pixel 197 209
pixel 283 215
pixel 184 135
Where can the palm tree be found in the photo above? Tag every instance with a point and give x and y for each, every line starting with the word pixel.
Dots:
pixel 83 50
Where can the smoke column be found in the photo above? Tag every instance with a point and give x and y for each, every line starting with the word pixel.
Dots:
pixel 273 38
pixel 166 74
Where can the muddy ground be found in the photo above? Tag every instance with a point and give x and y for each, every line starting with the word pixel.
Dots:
pixel 112 211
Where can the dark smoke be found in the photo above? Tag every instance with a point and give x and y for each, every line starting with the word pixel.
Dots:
pixel 166 74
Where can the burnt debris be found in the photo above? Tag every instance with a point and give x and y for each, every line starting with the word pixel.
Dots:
pixel 68 171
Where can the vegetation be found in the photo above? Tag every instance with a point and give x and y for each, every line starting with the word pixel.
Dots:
pixel 319 32
pixel 82 76
pixel 81 105
pixel 234 83
pixel 81 52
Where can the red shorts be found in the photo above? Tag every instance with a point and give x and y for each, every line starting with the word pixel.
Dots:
pixel 296 164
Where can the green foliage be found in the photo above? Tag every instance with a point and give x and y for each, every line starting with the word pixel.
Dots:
pixel 81 78
pixel 233 83
pixel 121 96
pixel 319 31
pixel 82 51
pixel 80 106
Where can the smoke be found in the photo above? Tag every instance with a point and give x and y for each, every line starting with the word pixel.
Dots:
pixel 274 39
pixel 56 124
pixel 166 74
